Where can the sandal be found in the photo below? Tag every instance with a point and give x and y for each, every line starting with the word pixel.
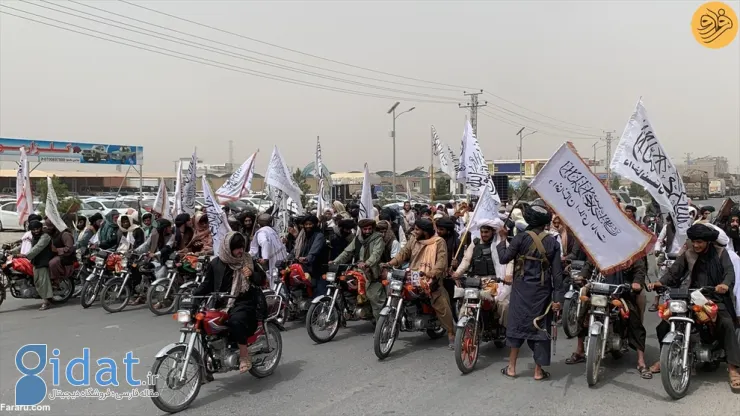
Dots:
pixel 545 376
pixel 653 308
pixel 505 372
pixel 645 372
pixel 735 382
pixel 575 359
pixel 655 368
pixel 245 364
pixel 45 306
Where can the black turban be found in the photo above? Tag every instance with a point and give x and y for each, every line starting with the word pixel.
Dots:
pixel 702 233
pixel 310 218
pixel 95 218
pixel 630 208
pixel 446 223
pixel 367 222
pixel 347 224
pixel 34 217
pixel 735 213
pixel 35 225
pixel 163 223
pixel 537 216
pixel 425 225
pixel 707 208
pixel 181 219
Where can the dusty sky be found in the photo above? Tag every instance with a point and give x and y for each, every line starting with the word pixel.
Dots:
pixel 568 64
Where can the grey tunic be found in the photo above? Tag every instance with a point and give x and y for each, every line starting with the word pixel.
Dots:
pixel 529 297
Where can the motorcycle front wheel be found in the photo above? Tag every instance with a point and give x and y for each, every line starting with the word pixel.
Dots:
pixel 466 346
pixel 570 317
pixel 89 292
pixel 270 361
pixel 2 291
pixel 675 380
pixel 383 340
pixel 322 324
pixel 64 290
pixel 158 301
pixel 593 358
pixel 110 295
pixel 166 379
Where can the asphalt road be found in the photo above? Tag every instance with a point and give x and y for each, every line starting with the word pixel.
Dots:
pixel 344 377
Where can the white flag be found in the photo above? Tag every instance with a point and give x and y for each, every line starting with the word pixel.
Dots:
pixel 177 206
pixel 571 189
pixel 485 209
pixel 641 158
pixel 239 181
pixel 323 203
pixel 366 198
pixel 24 197
pixel 446 156
pixel 279 209
pixel 401 237
pixel 162 201
pixel 51 208
pixel 408 190
pixel 279 176
pixel 189 186
pixel 217 220
pixel 473 169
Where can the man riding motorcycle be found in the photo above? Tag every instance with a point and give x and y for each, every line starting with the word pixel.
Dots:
pixel 367 250
pixel 707 264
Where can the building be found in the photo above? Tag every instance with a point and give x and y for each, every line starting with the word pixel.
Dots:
pixel 716 167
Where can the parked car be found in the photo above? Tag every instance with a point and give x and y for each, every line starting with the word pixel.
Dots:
pixel 9 218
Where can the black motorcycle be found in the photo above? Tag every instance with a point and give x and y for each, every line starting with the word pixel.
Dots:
pixel 119 290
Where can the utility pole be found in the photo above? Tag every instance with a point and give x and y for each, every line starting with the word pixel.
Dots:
pixel 688 160
pixel 473 106
pixel 521 161
pixel 608 156
pixel 230 167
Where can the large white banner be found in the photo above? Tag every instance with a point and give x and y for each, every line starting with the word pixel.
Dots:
pixel 279 209
pixel 24 196
pixel 323 202
pixel 177 206
pixel 239 181
pixel 51 208
pixel 217 220
pixel 447 161
pixel 189 187
pixel 162 201
pixel 279 176
pixel 366 198
pixel 473 169
pixel 569 187
pixel 641 158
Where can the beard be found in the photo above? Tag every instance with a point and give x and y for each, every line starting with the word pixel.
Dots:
pixel 422 237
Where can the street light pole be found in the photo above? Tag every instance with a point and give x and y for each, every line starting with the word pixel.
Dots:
pixel 392 111
pixel 521 162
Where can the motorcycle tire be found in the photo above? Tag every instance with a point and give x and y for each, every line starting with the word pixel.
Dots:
pixel 2 293
pixel 436 333
pixel 151 301
pixel 310 318
pixel 570 319
pixel 89 293
pixel 666 369
pixel 196 361
pixel 593 359
pixel 67 294
pixel 273 334
pixel 464 343
pixel 125 295
pixel 384 321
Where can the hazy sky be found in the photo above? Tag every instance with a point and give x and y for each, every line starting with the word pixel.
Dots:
pixel 582 62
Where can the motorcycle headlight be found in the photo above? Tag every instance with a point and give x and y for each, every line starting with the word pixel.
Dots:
pixel 396 285
pixel 99 262
pixel 198 266
pixel 678 306
pixel 331 276
pixel 170 264
pixel 183 317
pixel 274 273
pixel 124 263
pixel 599 301
pixel 471 293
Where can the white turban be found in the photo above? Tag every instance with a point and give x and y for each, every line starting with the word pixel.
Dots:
pixel 722 239
pixel 494 223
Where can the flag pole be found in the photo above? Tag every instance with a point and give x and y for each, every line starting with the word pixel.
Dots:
pixel 431 169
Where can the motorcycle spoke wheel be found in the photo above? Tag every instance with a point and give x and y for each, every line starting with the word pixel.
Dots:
pixel 158 302
pixel 264 364
pixel 322 322
pixel 112 301
pixel 173 395
pixel 467 344
pixel 675 379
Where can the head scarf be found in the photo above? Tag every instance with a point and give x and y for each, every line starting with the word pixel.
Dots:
pixel 492 223
pixel 340 210
pixel 35 225
pixel 202 239
pixel 722 238
pixel 310 218
pixel 447 224
pixel 701 232
pixel 132 223
pixel 384 228
pixel 182 219
pixel 94 218
pixel 241 266
pixel 425 225
pixel 537 216
pixel 34 217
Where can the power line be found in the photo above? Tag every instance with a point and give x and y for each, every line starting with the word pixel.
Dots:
pixel 289 49
pixel 473 105
pixel 540 114
pixel 241 48
pixel 209 48
pixel 543 123
pixel 544 132
pixel 208 62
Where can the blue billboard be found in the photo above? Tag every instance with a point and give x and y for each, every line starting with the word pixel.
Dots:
pixel 507 168
pixel 71 152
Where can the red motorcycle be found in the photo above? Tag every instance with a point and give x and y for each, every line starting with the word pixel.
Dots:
pixel 18 277
pixel 296 292
pixel 205 348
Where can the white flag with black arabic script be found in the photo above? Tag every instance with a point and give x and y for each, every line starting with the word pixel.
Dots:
pixel 189 186
pixel 641 158
pixel 447 160
pixel 217 220
pixel 279 176
pixel 52 206
pixel 473 170
pixel 177 205
pixel 24 196
pixel 366 198
pixel 239 181
pixel 582 202
pixel 323 203
pixel 162 201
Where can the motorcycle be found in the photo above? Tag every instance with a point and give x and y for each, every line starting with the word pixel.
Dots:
pixel 344 301
pixel 205 348
pixel 572 304
pixel 119 288
pixel 471 327
pixel 407 308
pixel 607 326
pixel 162 296
pixel 18 272
pixel 105 265
pixel 86 261
pixel 295 288
pixel 690 340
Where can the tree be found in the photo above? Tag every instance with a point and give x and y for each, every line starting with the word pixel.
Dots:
pixel 442 189
pixel 300 180
pixel 637 190
pixel 60 188
pixel 615 182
